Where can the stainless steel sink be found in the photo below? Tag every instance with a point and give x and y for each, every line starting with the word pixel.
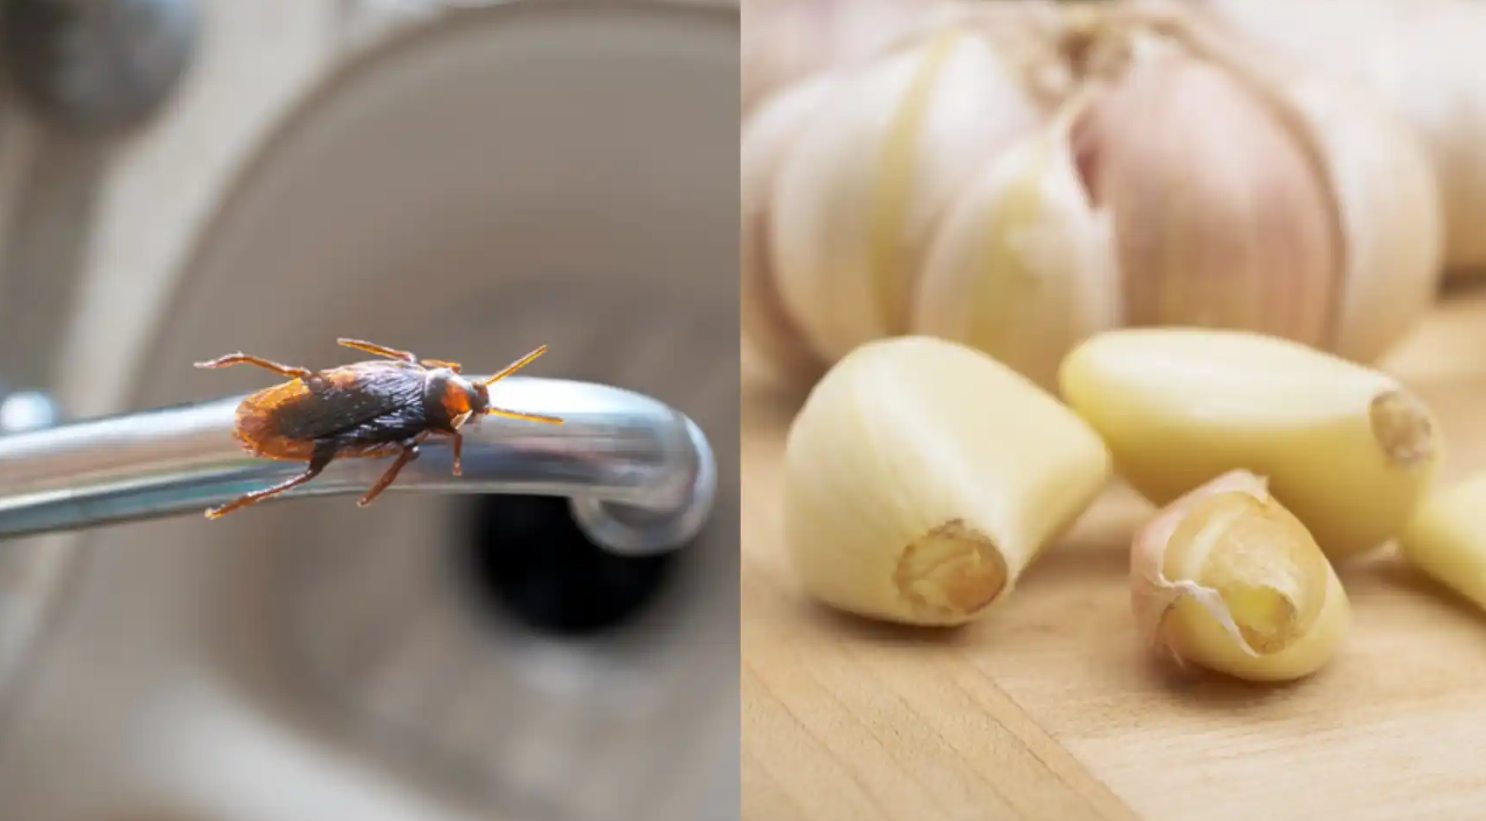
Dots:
pixel 530 173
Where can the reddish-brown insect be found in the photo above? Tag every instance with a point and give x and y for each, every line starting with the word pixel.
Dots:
pixel 369 409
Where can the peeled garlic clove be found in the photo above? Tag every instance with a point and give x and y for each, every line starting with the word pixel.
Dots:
pixel 1022 267
pixel 1220 217
pixel 766 325
pixel 1226 578
pixel 1447 538
pixel 922 477
pixel 858 195
pixel 1348 449
pixel 1388 207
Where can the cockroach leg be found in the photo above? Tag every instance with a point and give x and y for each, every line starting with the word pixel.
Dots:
pixel 321 456
pixel 439 363
pixel 409 453
pixel 516 366
pixel 244 359
pixel 454 425
pixel 530 417
pixel 458 445
pixel 379 350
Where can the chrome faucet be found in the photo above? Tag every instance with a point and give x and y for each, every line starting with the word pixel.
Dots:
pixel 640 475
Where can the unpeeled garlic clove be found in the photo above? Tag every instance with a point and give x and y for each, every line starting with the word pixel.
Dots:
pixel 766 326
pixel 1022 266
pixel 1220 217
pixel 1226 578
pixel 921 477
pixel 855 201
pixel 1422 58
pixel 1381 184
pixel 1447 538
pixel 1348 449
pixel 1249 194
pixel 1389 215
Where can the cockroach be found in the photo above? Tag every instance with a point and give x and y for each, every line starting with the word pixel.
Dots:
pixel 375 408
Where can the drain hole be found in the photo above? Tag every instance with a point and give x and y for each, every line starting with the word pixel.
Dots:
pixel 527 558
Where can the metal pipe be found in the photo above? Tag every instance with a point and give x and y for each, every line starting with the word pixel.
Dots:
pixel 641 475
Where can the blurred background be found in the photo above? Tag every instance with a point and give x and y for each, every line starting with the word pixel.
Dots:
pixel 185 178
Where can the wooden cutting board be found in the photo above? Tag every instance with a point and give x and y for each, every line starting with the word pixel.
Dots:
pixel 1051 710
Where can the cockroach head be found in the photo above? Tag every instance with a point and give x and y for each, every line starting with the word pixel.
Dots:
pixel 458 396
pixel 474 395
pixel 479 397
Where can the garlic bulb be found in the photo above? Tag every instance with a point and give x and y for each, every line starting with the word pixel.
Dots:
pixel 1423 59
pixel 1018 179
pixel 784 41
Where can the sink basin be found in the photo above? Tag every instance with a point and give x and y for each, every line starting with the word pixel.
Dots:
pixel 525 174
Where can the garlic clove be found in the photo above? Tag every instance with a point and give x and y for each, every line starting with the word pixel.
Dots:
pixel 1348 449
pixel 1022 267
pixel 1422 58
pixel 922 477
pixel 1388 206
pixel 1226 578
pixel 856 199
pixel 766 326
pixel 1447 538
pixel 1220 217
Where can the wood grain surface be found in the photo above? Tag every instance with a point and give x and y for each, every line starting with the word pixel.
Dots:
pixel 1051 710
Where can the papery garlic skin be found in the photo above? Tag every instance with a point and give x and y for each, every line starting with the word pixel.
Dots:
pixel 1423 58
pixel 1348 449
pixel 767 135
pixel 922 477
pixel 1220 219
pixel 1447 538
pixel 855 202
pixel 1226 578
pixel 1022 266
